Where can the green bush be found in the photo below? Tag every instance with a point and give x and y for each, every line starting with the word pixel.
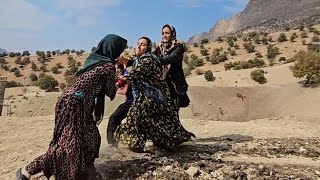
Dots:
pixel 258 76
pixel 272 51
pixel 47 82
pixel 307 64
pixel 208 75
pixel 195 45
pixel 204 41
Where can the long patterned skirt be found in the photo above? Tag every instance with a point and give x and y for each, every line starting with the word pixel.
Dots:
pixel 75 143
pixel 148 119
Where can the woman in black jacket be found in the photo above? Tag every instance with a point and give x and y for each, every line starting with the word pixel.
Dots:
pixel 170 52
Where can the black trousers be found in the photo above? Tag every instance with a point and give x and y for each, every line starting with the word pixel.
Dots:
pixel 115 120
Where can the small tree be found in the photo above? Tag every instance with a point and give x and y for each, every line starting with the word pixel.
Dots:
pixel 204 52
pixel 204 41
pixel 25 53
pixel 272 51
pixel 55 70
pixel 195 44
pixel 208 75
pixel 12 54
pixel 258 76
pixel 34 66
pixel 48 83
pixel 307 64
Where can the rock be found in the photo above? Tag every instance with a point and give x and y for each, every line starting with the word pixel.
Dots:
pixel 302 150
pixel 193 171
pixel 167 168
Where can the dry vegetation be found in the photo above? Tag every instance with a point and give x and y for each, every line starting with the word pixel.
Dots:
pixel 234 52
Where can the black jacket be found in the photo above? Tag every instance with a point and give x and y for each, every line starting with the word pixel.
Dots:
pixel 175 74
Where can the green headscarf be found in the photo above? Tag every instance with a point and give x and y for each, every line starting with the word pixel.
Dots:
pixel 109 48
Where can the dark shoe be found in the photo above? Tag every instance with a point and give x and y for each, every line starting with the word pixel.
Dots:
pixel 20 176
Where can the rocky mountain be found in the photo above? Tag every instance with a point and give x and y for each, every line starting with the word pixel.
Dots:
pixel 3 50
pixel 266 15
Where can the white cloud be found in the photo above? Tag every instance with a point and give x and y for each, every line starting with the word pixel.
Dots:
pixel 85 11
pixel 20 14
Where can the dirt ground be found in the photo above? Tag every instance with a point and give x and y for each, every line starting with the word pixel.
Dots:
pixel 244 131
pixel 287 147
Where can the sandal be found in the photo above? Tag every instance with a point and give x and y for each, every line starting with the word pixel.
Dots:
pixel 20 176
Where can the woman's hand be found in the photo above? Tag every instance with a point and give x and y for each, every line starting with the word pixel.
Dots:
pixel 122 60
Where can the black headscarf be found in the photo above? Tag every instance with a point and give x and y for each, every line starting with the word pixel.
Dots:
pixel 108 49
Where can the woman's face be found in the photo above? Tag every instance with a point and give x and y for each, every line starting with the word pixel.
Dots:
pixel 166 34
pixel 141 47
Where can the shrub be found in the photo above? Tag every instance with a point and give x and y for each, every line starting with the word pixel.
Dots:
pixel 315 38
pixel 62 86
pixel 12 54
pixel 208 75
pixel 304 34
pixel 13 84
pixel 17 60
pixel 59 65
pixel 34 66
pixel 195 44
pixel 204 41
pixel 2 60
pixel 26 53
pixel 55 70
pixel 314 47
pixel 293 37
pixel 17 73
pixel 272 51
pixel 282 37
pixel 258 54
pixel 47 82
pixel 249 47
pixel 186 59
pixel 307 64
pixel 186 71
pixel 33 77
pixel 204 52
pixel 232 52
pixel 282 59
pixel 258 76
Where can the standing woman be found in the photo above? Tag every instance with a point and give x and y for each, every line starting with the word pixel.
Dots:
pixel 76 140
pixel 170 52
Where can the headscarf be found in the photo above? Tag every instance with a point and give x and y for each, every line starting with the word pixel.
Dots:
pixel 109 48
pixel 166 46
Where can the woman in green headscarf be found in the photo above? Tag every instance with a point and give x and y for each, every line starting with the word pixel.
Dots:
pixel 76 139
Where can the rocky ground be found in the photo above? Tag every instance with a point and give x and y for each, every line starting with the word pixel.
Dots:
pixel 226 157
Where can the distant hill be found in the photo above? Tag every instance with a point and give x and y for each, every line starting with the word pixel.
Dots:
pixel 3 50
pixel 265 15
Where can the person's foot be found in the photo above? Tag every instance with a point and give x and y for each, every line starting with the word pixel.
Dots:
pixel 22 174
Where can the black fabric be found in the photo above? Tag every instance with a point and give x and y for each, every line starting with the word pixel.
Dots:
pixel 115 119
pixel 176 75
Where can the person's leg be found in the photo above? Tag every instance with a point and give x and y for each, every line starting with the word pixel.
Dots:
pixel 115 120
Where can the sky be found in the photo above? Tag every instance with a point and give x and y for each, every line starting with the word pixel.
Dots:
pixel 80 24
